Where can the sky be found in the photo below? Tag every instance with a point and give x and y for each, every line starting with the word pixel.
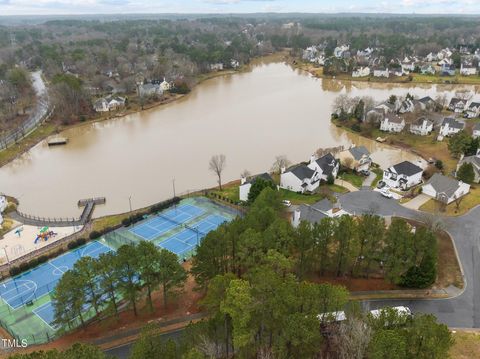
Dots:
pixel 45 7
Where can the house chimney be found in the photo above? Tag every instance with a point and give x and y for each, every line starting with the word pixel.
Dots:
pixel 243 179
pixel 312 159
pixel 282 169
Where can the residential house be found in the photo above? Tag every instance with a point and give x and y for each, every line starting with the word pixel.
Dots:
pixel 300 178
pixel 403 175
pixel 476 130
pixel 109 103
pixel 216 67
pixel 341 51
pixel 392 123
pixel 427 70
pixel 427 103
pixel 444 54
pixel 310 53
pixel 356 158
pixel 431 57
pixel 246 184
pixel 149 89
pixel 326 166
pixel 407 105
pixel 386 107
pixel 381 72
pixel 467 69
pixel 397 71
pixel 164 85
pixel 447 70
pixel 473 110
pixel 408 66
pixel 450 126
pixel 457 105
pixel 234 64
pixel 361 72
pixel 445 189
pixel 475 161
pixel 422 126
pixel 316 212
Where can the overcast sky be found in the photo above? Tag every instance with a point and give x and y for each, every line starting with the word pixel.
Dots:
pixel 42 7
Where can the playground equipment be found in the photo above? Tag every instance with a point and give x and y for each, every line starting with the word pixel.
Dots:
pixel 44 235
pixel 19 231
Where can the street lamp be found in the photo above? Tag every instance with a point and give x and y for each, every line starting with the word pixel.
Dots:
pixel 130 202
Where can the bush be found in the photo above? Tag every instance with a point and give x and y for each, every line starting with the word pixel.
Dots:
pixel 126 222
pixel 465 173
pixel 356 127
pixel 330 179
pixel 95 235
pixel 421 276
pixel 439 164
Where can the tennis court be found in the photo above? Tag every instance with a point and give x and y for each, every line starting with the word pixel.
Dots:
pixel 186 240
pixel 166 221
pixel 32 285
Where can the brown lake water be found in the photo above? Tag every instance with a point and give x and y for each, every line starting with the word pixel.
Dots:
pixel 250 117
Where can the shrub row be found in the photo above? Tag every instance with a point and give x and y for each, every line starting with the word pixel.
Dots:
pixel 77 243
pixel 153 209
pixel 34 262
pixel 220 197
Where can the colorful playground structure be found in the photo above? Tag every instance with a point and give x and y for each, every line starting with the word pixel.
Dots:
pixel 44 235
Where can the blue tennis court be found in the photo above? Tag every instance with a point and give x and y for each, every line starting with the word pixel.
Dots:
pixel 41 280
pixel 187 239
pixel 164 222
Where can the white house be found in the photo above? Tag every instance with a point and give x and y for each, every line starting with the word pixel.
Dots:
pixel 325 166
pixel 457 105
pixel 403 175
pixel 450 126
pixel 467 69
pixel 234 64
pixel 361 72
pixel 392 123
pixel 422 126
pixel 427 103
pixel 445 189
pixel 476 131
pixel 164 85
pixel 475 161
pixel 246 184
pixel 473 110
pixel 407 105
pixel 340 51
pixel 216 67
pixel 408 66
pixel 109 103
pixel 149 89
pixel 427 70
pixel 356 158
pixel 386 107
pixel 431 57
pixel 300 178
pixel 398 71
pixel 381 72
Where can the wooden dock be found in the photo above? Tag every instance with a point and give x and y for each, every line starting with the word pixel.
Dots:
pixel 57 141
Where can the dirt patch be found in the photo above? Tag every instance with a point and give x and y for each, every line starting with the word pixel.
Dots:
pixel 357 284
pixel 466 346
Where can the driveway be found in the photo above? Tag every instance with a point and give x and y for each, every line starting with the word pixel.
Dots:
pixel 347 185
pixel 462 311
pixel 367 182
pixel 417 202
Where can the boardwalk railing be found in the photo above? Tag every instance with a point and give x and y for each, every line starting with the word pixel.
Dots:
pixel 89 206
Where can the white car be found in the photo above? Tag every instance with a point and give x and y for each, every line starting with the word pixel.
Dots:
pixel 386 193
pixel 286 203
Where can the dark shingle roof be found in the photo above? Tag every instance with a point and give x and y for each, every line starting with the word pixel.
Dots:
pixel 407 168
pixel 358 152
pixel 301 171
pixel 443 184
pixel 453 123
pixel 393 118
pixel 327 163
pixel 316 212
pixel 426 99
pixel 474 104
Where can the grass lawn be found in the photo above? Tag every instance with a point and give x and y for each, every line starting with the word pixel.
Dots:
pixel 352 178
pixel 466 346
pixel 337 189
pixel 469 201
pixel 230 191
pixel 298 198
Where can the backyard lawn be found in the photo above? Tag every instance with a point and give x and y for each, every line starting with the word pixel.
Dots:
pixel 468 202
pixel 230 191
pixel 352 178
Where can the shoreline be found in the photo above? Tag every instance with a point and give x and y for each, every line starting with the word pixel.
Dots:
pixel 317 72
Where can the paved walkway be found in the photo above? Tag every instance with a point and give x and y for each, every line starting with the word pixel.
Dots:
pixel 417 202
pixel 347 185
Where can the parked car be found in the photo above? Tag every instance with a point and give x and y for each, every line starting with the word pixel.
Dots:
pixel 286 203
pixel 386 193
pixel 381 184
pixel 365 173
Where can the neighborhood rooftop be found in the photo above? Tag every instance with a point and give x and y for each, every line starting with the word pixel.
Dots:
pixel 452 122
pixel 358 152
pixel 407 168
pixel 443 184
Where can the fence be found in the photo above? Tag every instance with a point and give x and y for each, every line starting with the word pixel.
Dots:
pixel 26 128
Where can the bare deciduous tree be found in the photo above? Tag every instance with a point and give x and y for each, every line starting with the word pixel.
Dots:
pixel 280 162
pixel 217 165
pixel 353 339
pixel 245 174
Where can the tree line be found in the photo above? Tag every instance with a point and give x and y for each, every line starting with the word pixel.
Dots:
pixel 130 274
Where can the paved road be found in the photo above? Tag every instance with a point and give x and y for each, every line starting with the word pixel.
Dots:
pixel 462 311
pixel 123 351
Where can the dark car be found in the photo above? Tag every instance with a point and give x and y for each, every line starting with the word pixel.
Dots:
pixel 365 173
pixel 381 184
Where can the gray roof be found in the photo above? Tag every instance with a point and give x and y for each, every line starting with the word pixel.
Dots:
pixel 419 121
pixel 301 171
pixel 265 176
pixel 316 212
pixel 474 104
pixel 327 163
pixel 407 168
pixel 474 160
pixel 455 100
pixel 358 152
pixel 453 123
pixel 426 99
pixel 443 184
pixel 393 118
